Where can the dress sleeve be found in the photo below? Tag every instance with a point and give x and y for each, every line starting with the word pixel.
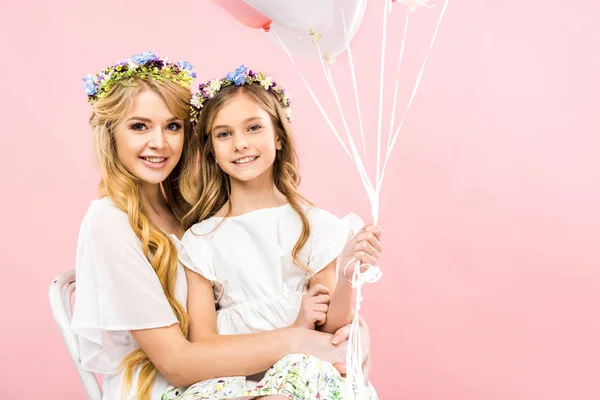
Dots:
pixel 196 255
pixel 117 289
pixel 329 235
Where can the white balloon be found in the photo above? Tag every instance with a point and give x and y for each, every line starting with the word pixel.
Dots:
pixel 328 33
pixel 413 4
pixel 295 14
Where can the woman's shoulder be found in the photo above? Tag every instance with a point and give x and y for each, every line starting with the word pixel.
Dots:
pixel 103 217
pixel 100 209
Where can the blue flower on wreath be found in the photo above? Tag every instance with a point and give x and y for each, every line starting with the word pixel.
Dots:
pixel 143 58
pixel 186 66
pixel 238 76
pixel 89 86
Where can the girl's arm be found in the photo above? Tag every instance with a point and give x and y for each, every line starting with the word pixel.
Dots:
pixel 208 355
pixel 341 309
pixel 365 247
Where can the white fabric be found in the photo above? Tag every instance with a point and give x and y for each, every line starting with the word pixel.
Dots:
pixel 117 291
pixel 248 259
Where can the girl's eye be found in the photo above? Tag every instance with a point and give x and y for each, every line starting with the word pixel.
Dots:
pixel 254 128
pixel 223 134
pixel 138 126
pixel 174 126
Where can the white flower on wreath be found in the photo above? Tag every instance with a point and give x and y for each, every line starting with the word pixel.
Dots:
pixel 196 102
pixel 267 82
pixel 288 113
pixel 132 64
pixel 213 87
pixel 107 75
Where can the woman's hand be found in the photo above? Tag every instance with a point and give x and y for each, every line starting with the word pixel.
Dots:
pixel 319 344
pixel 341 338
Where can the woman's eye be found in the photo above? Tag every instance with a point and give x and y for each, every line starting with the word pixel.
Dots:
pixel 174 126
pixel 254 128
pixel 138 126
pixel 223 134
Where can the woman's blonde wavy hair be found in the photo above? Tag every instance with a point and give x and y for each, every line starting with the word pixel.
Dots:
pixel 214 187
pixel 123 189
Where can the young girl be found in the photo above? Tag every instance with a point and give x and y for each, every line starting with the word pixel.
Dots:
pixel 131 311
pixel 270 255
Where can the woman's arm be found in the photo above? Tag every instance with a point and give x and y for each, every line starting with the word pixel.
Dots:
pixel 208 355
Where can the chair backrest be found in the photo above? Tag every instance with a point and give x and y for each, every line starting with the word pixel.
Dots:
pixel 61 290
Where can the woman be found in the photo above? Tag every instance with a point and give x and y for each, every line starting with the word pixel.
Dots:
pixel 131 310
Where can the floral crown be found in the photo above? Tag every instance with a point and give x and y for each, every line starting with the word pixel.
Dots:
pixel 238 77
pixel 145 65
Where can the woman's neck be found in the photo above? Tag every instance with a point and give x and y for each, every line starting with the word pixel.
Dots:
pixel 158 210
pixel 152 197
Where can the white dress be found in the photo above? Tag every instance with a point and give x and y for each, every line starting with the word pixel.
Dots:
pixel 248 260
pixel 117 291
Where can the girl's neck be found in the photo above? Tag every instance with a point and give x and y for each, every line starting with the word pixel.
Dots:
pixel 250 196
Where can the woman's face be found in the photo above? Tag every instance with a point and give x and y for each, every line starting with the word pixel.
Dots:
pixel 150 139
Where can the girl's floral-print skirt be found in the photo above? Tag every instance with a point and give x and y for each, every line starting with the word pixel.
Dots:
pixel 296 376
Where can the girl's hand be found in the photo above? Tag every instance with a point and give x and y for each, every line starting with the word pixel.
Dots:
pixel 313 310
pixel 365 247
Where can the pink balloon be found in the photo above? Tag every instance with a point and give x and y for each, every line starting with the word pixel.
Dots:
pixel 244 13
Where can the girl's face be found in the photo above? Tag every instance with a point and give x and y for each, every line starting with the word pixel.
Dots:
pixel 244 140
pixel 150 139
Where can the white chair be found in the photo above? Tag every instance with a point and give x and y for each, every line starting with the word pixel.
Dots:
pixel 61 291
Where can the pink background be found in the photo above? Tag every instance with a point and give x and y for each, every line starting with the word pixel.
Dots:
pixel 490 205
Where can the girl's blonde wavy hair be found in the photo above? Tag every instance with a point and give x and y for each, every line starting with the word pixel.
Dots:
pixel 214 187
pixel 123 189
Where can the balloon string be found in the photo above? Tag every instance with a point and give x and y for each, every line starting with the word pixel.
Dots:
pixel 355 87
pixel 402 46
pixel 414 91
pixel 381 81
pixel 355 385
pixel 314 97
pixel 356 156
